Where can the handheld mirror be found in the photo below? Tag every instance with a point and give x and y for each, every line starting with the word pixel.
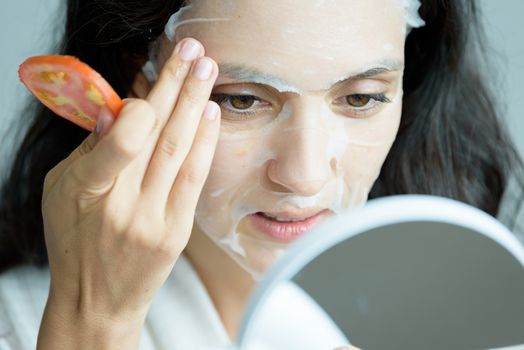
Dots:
pixel 404 272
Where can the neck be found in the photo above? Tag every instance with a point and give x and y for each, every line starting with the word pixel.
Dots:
pixel 228 285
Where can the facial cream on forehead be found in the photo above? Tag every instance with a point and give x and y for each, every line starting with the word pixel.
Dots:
pixel 222 11
pixel 182 16
pixel 242 73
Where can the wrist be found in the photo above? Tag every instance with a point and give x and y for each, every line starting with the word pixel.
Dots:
pixel 74 327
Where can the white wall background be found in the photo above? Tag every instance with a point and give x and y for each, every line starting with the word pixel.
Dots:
pixel 503 19
pixel 25 26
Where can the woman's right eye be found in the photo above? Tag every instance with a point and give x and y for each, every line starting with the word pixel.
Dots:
pixel 243 105
pixel 242 102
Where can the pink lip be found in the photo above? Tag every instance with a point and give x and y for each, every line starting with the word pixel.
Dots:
pixel 286 231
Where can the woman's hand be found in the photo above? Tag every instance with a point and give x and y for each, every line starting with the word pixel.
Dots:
pixel 119 210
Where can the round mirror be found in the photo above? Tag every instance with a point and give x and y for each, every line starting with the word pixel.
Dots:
pixel 404 272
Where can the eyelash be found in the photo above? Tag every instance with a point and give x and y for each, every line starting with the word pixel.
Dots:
pixel 377 99
pixel 221 98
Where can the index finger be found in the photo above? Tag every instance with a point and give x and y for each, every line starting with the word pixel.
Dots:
pixel 164 94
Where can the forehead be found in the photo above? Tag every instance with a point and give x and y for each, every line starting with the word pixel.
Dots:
pixel 306 42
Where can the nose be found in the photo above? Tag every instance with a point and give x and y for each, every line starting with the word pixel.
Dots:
pixel 301 165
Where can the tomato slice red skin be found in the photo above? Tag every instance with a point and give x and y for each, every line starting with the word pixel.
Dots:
pixel 70 88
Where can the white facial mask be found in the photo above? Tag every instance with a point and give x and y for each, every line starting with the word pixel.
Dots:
pixel 183 16
pixel 223 10
pixel 336 140
pixel 305 153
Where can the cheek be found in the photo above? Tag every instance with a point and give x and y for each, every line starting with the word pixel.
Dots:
pixel 369 146
pixel 361 164
pixel 234 161
pixel 229 175
pixel 379 130
pixel 233 178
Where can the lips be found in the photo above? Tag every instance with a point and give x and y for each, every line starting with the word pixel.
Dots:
pixel 286 226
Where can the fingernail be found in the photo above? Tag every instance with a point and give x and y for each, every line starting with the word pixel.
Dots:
pixel 211 111
pixel 189 50
pixel 178 46
pixel 99 124
pixel 203 69
pixel 105 118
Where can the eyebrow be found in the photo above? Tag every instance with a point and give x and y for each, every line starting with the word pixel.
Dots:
pixel 246 74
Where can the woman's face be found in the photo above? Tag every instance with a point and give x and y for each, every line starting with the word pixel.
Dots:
pixel 311 95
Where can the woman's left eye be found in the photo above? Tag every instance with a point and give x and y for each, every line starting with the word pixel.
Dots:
pixel 360 105
pixel 364 101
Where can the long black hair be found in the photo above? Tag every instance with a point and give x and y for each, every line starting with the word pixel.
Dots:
pixel 450 143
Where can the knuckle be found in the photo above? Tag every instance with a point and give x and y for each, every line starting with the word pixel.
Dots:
pixel 144 223
pixel 136 104
pixel 169 146
pixel 126 149
pixel 139 233
pixel 192 95
pixel 144 236
pixel 135 241
pixel 143 110
pixel 86 146
pixel 70 184
pixel 192 176
pixel 174 69
pixel 168 248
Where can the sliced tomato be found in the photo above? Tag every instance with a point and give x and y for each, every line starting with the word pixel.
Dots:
pixel 70 88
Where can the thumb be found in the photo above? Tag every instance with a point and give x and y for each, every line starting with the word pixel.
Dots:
pixel 104 123
pixel 114 149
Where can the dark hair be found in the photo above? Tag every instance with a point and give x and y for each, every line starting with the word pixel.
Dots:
pixel 450 143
